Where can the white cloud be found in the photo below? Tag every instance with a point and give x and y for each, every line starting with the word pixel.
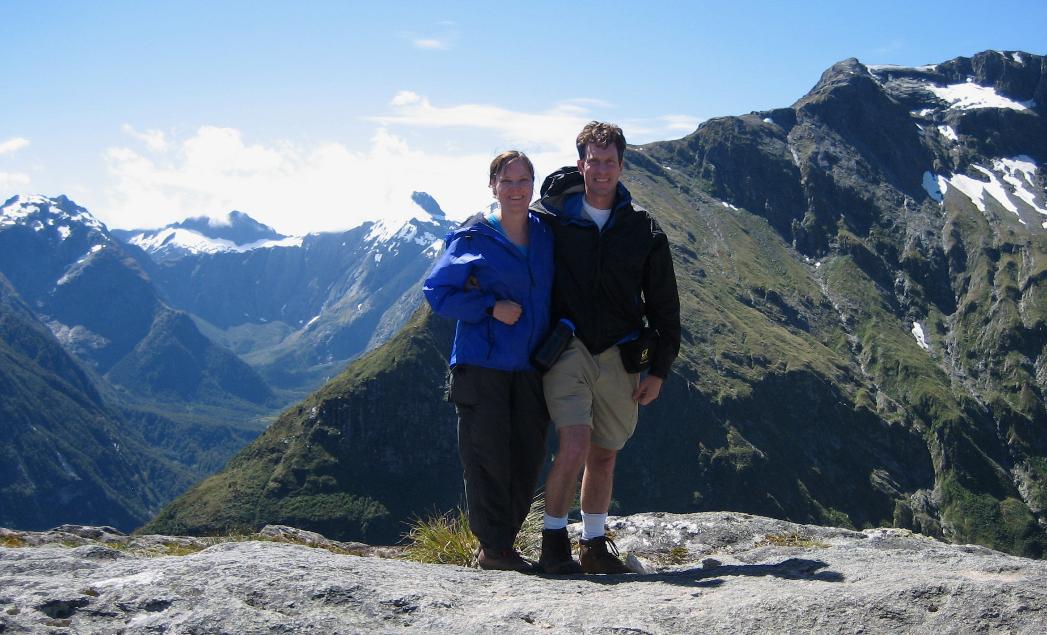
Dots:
pixel 329 186
pixel 13 145
pixel 295 189
pixel 552 130
pixel 155 140
pixel 443 39
pixel 405 98
pixel 431 44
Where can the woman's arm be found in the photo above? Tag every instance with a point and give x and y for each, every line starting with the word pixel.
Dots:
pixel 448 290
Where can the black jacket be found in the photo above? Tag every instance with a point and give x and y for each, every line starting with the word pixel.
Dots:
pixel 607 282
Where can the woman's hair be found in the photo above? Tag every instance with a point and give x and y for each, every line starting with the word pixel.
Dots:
pixel 503 160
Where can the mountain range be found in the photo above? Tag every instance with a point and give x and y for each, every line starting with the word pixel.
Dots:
pixel 159 323
pixel 297 309
pixel 863 343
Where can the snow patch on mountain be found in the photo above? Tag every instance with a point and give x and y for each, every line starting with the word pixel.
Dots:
pixel 39 212
pixel 194 242
pixel 1020 172
pixel 392 235
pixel 931 185
pixel 1009 177
pixel 968 96
pixel 948 133
pixel 917 332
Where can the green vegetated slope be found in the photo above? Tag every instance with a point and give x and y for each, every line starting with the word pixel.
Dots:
pixel 355 460
pixel 67 457
pixel 809 243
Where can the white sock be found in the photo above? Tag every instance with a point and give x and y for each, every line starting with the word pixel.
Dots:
pixel 555 522
pixel 592 525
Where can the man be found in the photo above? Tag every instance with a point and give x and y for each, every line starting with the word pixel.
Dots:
pixel 613 270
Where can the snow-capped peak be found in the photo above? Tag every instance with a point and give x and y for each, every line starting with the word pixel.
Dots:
pixel 234 232
pixel 41 213
pixel 175 241
pixel 426 219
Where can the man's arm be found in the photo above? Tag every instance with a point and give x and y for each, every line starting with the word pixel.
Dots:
pixel 662 301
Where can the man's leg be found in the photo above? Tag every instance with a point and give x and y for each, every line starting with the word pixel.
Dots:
pixel 614 420
pixel 598 480
pixel 597 483
pixel 562 481
pixel 560 487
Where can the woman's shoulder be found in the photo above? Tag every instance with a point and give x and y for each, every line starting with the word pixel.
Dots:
pixel 539 225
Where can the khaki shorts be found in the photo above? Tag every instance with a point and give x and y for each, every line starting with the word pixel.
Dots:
pixel 586 390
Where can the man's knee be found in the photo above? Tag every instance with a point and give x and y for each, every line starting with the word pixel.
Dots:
pixel 573 445
pixel 600 460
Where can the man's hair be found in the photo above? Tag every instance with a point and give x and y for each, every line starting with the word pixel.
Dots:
pixel 601 134
pixel 503 159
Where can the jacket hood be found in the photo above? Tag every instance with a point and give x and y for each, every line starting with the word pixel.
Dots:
pixel 472 224
pixel 563 183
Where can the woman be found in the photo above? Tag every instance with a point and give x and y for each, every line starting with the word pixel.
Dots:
pixel 495 278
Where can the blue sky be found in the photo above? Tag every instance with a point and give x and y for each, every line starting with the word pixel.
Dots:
pixel 317 115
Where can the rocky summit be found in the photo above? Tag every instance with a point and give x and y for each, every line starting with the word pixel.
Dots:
pixel 707 572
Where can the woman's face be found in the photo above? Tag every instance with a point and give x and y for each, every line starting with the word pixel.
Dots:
pixel 513 187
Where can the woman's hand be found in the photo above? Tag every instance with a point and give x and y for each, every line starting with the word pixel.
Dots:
pixel 507 311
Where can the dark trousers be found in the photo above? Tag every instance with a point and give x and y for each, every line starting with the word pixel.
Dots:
pixel 502 423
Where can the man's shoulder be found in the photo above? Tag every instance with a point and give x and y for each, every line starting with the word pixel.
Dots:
pixel 643 216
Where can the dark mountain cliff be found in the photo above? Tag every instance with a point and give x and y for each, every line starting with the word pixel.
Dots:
pixel 863 331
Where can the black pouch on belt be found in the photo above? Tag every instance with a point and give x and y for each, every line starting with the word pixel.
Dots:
pixel 636 355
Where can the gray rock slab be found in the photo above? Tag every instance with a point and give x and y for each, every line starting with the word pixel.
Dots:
pixel 707 572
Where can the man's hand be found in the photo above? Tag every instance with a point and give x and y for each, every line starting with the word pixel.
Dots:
pixel 648 390
pixel 507 312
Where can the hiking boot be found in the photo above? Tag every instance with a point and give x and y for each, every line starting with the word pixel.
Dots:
pixel 556 554
pixel 596 558
pixel 504 560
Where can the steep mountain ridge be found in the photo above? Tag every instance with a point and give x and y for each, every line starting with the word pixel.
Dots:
pixel 298 309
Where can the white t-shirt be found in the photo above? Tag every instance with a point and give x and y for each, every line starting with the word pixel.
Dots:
pixel 599 216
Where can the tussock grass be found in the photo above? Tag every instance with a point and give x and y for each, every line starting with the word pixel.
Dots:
pixel 792 539
pixel 446 538
pixel 11 541
pixel 676 555
pixel 441 539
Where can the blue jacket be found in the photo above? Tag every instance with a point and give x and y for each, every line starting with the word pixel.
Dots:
pixel 503 273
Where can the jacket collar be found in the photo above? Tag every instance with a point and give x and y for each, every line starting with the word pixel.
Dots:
pixel 477 224
pixel 561 196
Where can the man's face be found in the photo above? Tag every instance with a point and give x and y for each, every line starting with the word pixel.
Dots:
pixel 601 170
